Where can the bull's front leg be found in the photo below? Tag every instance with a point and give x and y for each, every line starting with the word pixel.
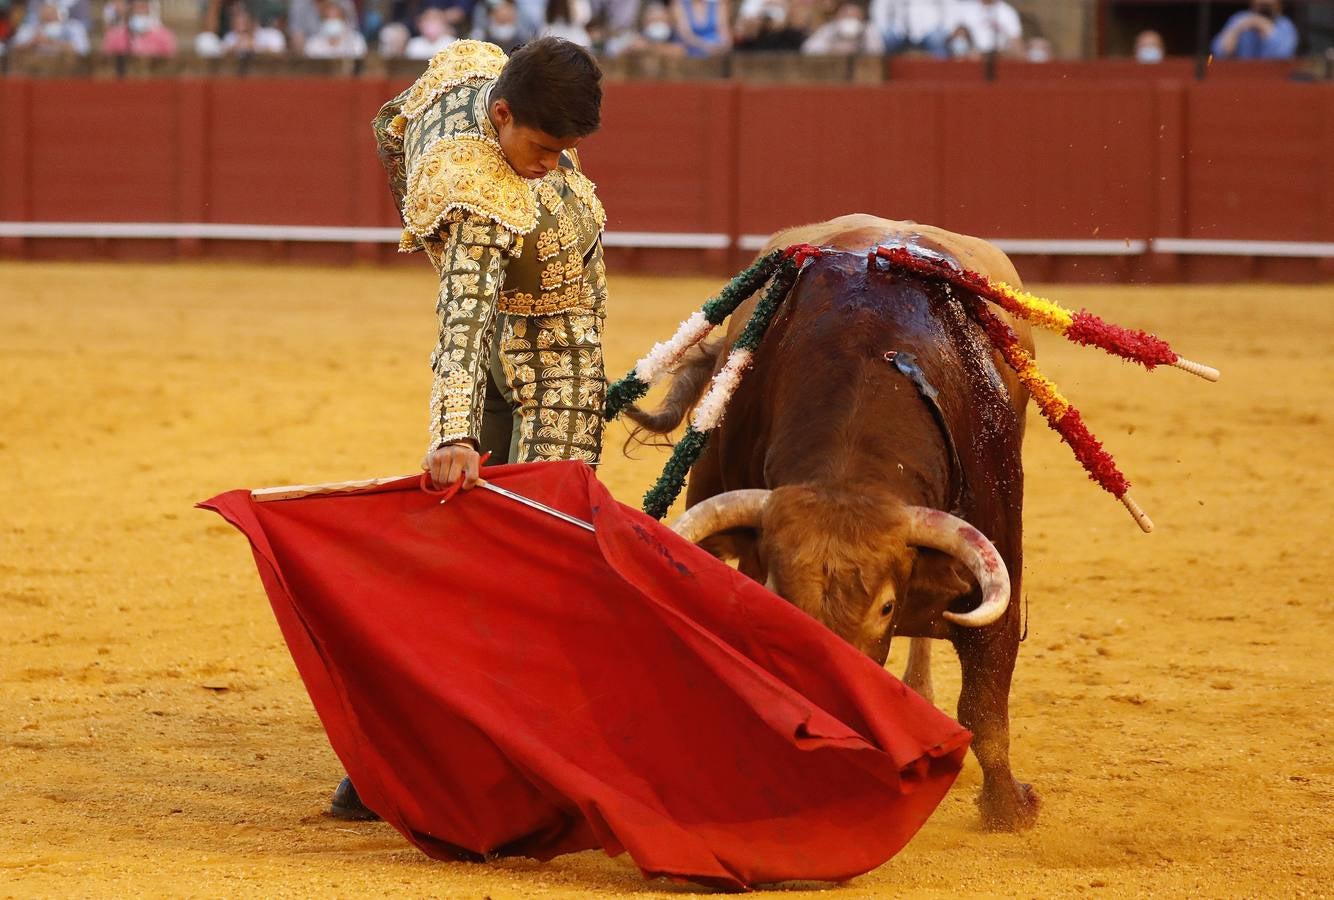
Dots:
pixel 987 657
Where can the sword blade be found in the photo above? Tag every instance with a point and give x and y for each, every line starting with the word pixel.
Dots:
pixel 533 504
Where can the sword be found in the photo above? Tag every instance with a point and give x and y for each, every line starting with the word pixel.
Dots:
pixel 291 492
pixel 533 504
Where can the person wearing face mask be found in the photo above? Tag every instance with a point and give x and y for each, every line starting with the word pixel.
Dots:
pixel 1149 47
pixel 306 17
pixel 434 34
pixel 499 24
pixel 1038 49
pixel 847 34
pixel 1262 32
pixel 51 33
pixel 336 37
pixel 140 34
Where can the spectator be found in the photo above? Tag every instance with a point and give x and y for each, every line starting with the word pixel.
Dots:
pixel 1038 49
pixel 8 18
pixel 960 44
pixel 703 27
pixel 433 34
pixel 568 19
pixel 621 16
pixel 655 37
pixel 923 25
pixel 1149 47
pixel 305 18
pixel 52 33
pixel 992 25
pixel 140 33
pixel 337 37
pixel 1262 32
pixel 532 17
pixel 846 34
pixel 458 13
pixel 767 27
pixel 393 40
pixel 499 24
pixel 248 38
pixel 216 22
pixel 80 11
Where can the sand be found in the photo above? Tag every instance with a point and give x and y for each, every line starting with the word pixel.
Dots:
pixel 1171 703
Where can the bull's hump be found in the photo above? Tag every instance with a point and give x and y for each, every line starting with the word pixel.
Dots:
pixel 861 232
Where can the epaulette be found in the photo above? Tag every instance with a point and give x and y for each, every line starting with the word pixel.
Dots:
pixel 466 173
pixel 461 61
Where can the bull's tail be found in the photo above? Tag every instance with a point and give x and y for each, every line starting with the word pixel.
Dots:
pixel 690 378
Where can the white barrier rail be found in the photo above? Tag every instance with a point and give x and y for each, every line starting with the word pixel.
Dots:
pixel 665 240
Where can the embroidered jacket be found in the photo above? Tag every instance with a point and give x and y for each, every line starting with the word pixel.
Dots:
pixel 499 242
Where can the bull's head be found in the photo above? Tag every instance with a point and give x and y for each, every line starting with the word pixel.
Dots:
pixel 848 562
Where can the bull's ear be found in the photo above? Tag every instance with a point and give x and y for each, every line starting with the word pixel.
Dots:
pixel 938 579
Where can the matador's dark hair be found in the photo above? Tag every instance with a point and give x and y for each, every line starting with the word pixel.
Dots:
pixel 554 86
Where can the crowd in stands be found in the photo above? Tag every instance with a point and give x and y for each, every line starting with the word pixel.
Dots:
pixel 418 29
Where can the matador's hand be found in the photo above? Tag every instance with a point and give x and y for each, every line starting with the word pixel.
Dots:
pixel 452 461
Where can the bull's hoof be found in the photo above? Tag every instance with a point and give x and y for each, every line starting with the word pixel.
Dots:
pixel 1012 808
pixel 347 805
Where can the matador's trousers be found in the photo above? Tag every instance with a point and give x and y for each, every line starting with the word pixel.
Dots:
pixel 545 390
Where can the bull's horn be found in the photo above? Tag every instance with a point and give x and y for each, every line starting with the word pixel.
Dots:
pixel 950 534
pixel 734 509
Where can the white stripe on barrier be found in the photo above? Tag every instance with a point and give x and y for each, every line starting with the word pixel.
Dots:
pixel 667 240
pixel 309 233
pixel 1209 247
pixel 1041 247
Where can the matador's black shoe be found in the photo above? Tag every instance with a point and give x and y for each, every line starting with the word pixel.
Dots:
pixel 347 804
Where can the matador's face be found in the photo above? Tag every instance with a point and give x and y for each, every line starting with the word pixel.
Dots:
pixel 530 151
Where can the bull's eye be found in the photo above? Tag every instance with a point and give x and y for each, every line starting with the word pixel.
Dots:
pixel 887 608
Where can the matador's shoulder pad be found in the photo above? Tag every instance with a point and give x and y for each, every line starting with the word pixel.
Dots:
pixel 454 161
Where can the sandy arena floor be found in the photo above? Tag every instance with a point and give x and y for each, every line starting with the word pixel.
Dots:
pixel 1171 704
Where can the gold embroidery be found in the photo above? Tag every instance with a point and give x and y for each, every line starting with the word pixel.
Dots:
pixel 466 174
pixel 464 284
pixel 455 99
pixel 568 231
pixel 547 194
pixel 547 244
pixel 586 191
pixel 574 268
pixel 459 62
pixel 552 276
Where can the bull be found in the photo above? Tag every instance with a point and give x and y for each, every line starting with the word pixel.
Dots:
pixel 868 469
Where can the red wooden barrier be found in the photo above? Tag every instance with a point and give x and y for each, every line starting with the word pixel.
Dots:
pixel 1073 159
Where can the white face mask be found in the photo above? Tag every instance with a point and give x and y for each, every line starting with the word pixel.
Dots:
pixel 848 29
pixel 775 14
pixel 333 28
pixel 960 46
pixel 1039 55
pixel 658 32
pixel 141 23
pixel 504 31
pixel 53 30
pixel 1149 54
